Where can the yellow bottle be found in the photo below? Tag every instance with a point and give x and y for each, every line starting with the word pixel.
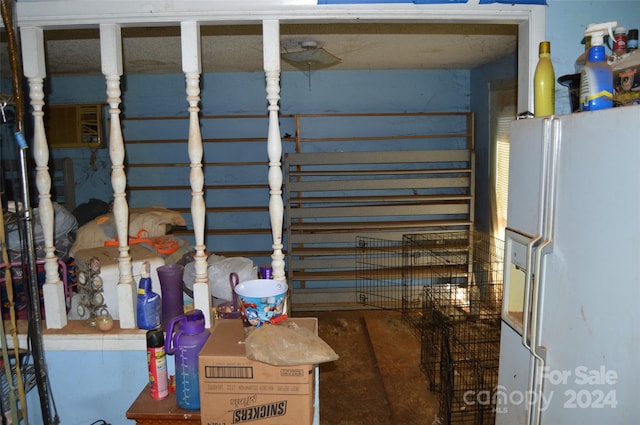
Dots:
pixel 544 83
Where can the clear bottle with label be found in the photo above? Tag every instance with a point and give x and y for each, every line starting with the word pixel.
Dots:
pixel 596 78
pixel 582 59
pixel 544 83
pixel 596 81
pixel 149 304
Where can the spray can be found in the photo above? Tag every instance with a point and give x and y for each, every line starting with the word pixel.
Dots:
pixel 620 41
pixel 149 304
pixel 186 335
pixel 157 360
pixel 596 78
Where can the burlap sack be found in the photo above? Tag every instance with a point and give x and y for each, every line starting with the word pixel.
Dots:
pixel 287 344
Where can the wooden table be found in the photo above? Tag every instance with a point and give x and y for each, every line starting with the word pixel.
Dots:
pixel 148 411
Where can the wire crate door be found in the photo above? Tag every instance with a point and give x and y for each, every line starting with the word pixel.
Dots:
pixel 380 277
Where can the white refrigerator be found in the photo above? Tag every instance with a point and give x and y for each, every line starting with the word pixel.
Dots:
pixel 570 332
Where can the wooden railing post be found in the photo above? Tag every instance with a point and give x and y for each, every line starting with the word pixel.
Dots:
pixel 191 66
pixel 271 58
pixel 32 40
pixel 111 57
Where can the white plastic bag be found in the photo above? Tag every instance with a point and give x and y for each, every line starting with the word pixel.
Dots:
pixel 219 268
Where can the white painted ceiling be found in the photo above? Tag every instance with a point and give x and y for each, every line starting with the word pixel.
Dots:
pixel 238 48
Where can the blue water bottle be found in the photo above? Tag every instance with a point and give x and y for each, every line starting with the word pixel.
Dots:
pixel 186 335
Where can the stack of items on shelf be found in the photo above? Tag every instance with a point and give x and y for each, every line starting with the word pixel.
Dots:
pixel 625 64
pixel 604 80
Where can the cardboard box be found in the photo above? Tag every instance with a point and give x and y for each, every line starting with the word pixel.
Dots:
pixel 627 84
pixel 237 390
pixel 108 256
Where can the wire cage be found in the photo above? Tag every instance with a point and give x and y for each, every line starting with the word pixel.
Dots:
pixel 449 286
pixel 458 273
pixel 431 345
pixel 468 278
pixel 462 271
pixel 460 320
pixel 479 339
pixel 391 274
pixel 469 373
pixel 380 276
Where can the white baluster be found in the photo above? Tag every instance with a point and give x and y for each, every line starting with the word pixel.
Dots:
pixel 111 57
pixel 191 66
pixel 271 58
pixel 32 40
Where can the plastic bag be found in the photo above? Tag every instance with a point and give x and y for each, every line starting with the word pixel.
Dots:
pixel 287 344
pixel 219 268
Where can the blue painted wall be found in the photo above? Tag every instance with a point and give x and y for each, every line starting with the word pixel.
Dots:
pixel 244 93
pixel 90 385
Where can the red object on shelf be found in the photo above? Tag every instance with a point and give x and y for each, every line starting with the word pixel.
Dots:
pixel 20 290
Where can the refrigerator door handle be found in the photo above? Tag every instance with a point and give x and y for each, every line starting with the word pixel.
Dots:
pixel 536 370
pixel 532 247
pixel 537 359
pixel 545 248
pixel 548 176
pixel 526 308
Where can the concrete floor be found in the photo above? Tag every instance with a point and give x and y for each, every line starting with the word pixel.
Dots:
pixel 377 380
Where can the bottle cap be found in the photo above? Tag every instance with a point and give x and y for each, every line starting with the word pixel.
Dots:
pixel 155 338
pixel 545 47
pixel 193 322
pixel 145 269
pixel 633 34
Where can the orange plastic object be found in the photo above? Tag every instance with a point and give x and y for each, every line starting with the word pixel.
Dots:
pixel 162 245
pixel 139 238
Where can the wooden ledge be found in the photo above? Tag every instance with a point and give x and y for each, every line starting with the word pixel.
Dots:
pixel 79 336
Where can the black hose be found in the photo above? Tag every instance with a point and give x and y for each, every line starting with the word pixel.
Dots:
pixel 33 301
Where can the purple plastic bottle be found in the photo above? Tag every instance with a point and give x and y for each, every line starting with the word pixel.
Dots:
pixel 186 335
